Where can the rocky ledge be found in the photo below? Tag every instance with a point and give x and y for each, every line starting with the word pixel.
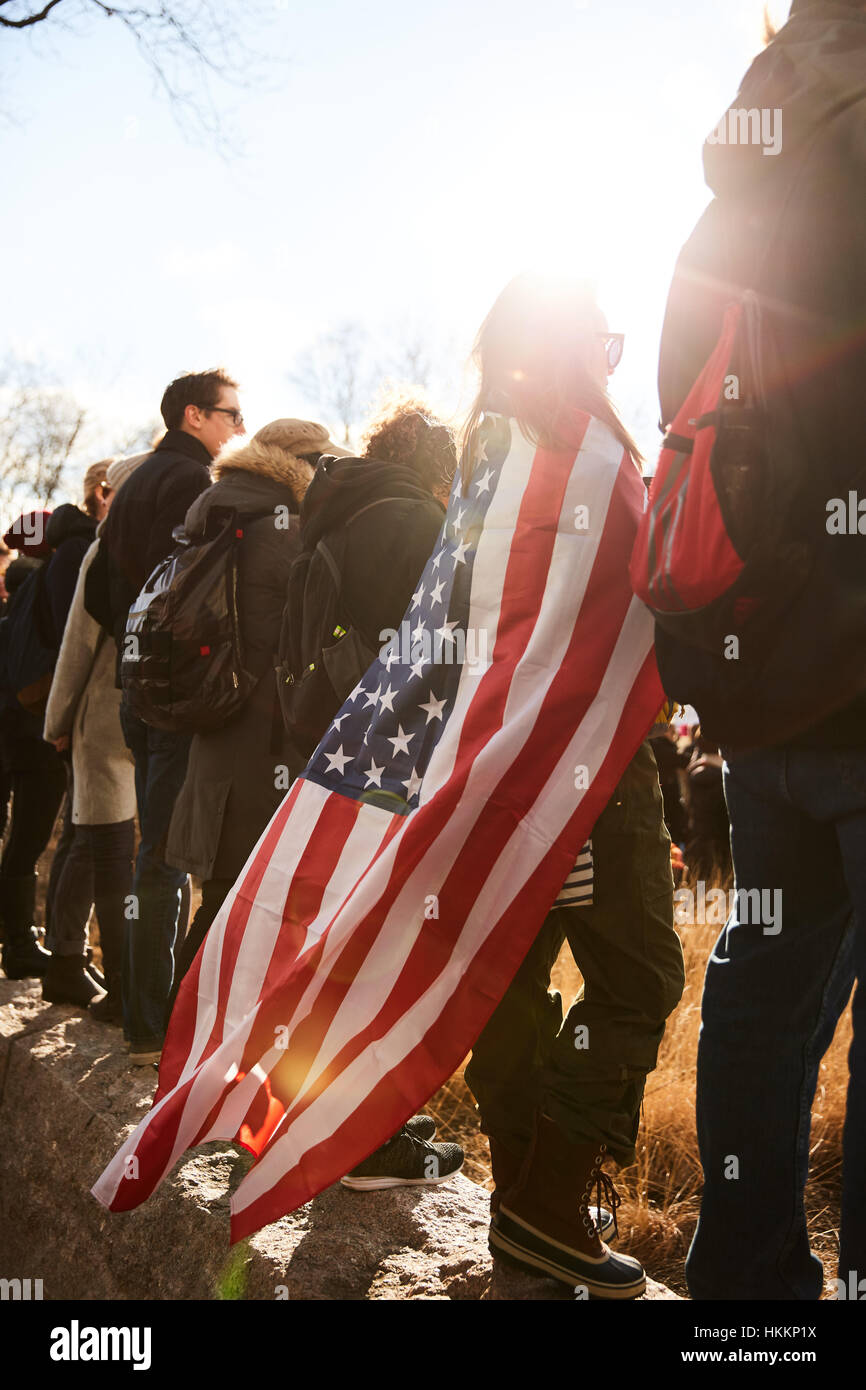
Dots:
pixel 68 1098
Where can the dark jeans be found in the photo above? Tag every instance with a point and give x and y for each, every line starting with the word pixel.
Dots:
pixel 97 871
pixel 36 798
pixel 61 850
pixel 160 767
pixel 588 1072
pixel 771 1001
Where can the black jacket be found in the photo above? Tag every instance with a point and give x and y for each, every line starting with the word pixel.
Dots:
pixel 791 226
pixel 138 530
pixel 387 547
pixel 238 775
pixel 70 533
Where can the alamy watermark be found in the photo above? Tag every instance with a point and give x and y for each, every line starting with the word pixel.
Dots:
pixel 750 127
pixel 713 907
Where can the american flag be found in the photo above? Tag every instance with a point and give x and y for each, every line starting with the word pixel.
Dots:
pixel 394 894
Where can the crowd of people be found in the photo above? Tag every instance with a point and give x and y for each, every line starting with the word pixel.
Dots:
pixel 795 818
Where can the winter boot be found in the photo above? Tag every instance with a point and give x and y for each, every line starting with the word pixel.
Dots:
pixel 506 1168
pixel 110 1009
pixel 23 957
pixel 544 1221
pixel 66 981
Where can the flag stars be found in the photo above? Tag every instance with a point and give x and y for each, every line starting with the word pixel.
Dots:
pixel 459 553
pixel 401 741
pixel 433 708
pixel 372 697
pixel 436 592
pixel 417 633
pixel 446 632
pixel 386 701
pixel 417 597
pixel 374 776
pixel 412 785
pixel 483 484
pixel 437 557
pixel 418 666
pixel 337 761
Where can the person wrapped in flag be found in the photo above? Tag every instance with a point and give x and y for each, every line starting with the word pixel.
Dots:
pixel 391 901
pixel 556 1096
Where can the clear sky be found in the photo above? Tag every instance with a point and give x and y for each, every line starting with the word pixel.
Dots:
pixel 407 159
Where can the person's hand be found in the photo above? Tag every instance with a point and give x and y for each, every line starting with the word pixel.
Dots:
pixel 61 744
pixel 678 864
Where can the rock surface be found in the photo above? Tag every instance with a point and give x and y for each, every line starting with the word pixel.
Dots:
pixel 67 1099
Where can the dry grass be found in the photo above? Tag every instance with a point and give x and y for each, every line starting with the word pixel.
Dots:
pixel 661 1191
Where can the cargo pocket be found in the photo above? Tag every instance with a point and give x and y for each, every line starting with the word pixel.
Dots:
pixel 196 827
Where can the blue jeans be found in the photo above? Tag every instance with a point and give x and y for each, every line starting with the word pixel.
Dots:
pixel 772 997
pixel 160 768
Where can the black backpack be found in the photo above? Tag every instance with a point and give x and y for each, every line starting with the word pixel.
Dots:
pixel 323 653
pixel 182 661
pixel 28 650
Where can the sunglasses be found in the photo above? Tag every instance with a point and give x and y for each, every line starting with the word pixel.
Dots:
pixel 613 344
pixel 236 416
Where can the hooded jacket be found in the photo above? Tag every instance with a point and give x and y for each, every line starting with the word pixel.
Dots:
pixel 238 775
pixel 790 225
pixel 388 544
pixel 70 534
pixel 138 529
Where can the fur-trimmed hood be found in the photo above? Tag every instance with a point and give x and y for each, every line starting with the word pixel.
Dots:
pixel 268 461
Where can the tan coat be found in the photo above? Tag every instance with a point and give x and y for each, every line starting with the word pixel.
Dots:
pixel 85 704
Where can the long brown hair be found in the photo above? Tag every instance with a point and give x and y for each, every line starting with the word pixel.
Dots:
pixel 532 353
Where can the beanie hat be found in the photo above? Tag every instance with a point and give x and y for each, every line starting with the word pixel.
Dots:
pixel 118 472
pixel 27 535
pixel 298 437
pixel 95 476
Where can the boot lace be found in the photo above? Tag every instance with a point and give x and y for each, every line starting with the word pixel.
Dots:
pixel 605 1194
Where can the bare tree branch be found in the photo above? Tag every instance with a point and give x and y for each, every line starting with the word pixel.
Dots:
pixel 39 429
pixel 335 376
pixel 186 44
pixel 28 19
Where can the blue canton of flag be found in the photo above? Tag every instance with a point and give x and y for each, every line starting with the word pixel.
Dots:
pixel 379 746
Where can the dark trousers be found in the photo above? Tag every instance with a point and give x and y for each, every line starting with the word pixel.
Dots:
pixel 97 871
pixel 588 1072
pixel 779 977
pixel 160 768
pixel 36 798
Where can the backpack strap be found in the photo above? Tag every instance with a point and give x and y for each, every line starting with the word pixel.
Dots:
pixel 336 567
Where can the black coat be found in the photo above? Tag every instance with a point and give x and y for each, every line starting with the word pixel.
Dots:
pixel 70 533
pixel 387 547
pixel 237 775
pixel 807 205
pixel 138 530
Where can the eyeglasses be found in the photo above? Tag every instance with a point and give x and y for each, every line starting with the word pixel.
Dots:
pixel 236 416
pixel 613 344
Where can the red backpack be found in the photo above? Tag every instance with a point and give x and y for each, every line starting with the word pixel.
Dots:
pixel 716 552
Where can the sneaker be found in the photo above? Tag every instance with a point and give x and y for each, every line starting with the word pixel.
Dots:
pixel 405 1161
pixel 422 1126
pixel 144 1054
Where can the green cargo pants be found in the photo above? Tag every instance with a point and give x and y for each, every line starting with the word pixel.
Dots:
pixel 588 1072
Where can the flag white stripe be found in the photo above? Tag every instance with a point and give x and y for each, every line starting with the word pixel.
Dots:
pixel 590 482
pixel 516 863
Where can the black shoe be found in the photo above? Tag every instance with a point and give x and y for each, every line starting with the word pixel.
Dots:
pixel 93 970
pixel 24 958
pixel 422 1126
pixel 109 1009
pixel 406 1161
pixel 66 981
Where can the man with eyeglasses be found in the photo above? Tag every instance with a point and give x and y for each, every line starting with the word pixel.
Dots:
pixel 201 413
